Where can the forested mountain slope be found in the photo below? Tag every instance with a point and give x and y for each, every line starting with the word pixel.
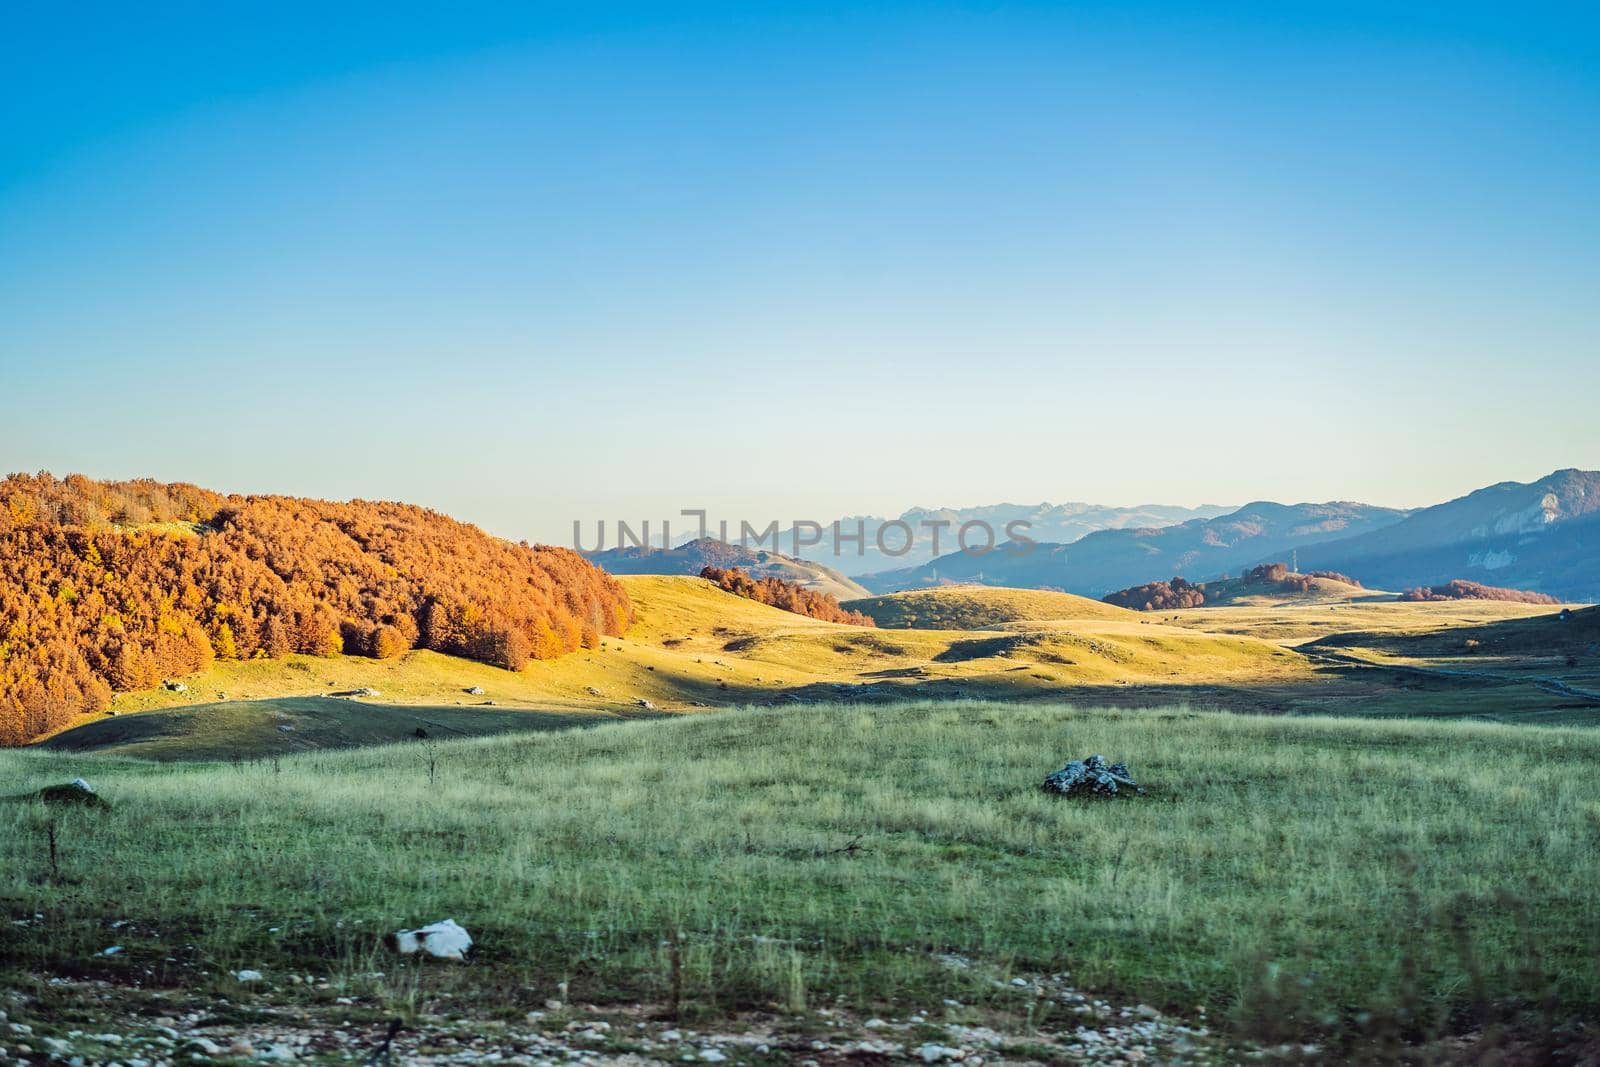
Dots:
pixel 115 586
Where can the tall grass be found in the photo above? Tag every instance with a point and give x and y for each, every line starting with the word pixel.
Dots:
pixel 1300 877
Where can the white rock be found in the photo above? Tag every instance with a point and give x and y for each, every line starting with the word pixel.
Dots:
pixel 446 940
pixel 83 785
pixel 247 976
pixel 712 1055
pixel 276 1052
pixel 931 1053
pixel 874 1024
pixel 112 951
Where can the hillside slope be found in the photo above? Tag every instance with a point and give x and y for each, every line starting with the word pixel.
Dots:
pixel 692 557
pixel 695 646
pixel 1542 535
pixel 111 587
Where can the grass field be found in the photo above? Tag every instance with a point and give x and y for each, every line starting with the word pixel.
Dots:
pixel 1350 882
pixel 696 647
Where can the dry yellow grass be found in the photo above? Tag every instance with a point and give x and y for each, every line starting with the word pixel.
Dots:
pixel 695 646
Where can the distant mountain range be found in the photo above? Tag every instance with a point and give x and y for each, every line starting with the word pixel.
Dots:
pixel 1543 536
pixel 1107 560
pixel 692 556
pixel 926 533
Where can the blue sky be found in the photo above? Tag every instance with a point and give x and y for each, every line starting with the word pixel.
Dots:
pixel 531 263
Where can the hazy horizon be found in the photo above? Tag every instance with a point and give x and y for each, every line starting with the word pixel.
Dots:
pixel 528 266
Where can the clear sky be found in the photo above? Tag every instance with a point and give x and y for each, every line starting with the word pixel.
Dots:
pixel 531 263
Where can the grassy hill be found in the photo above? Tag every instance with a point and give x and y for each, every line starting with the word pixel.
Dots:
pixel 976 607
pixel 695 647
pixel 1541 641
pixel 1238 592
pixel 876 861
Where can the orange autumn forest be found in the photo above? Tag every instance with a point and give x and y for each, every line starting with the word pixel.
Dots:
pixel 115 586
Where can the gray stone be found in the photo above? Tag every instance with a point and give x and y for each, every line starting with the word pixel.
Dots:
pixel 1090 776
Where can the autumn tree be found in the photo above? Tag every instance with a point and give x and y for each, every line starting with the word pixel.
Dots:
pixel 116 585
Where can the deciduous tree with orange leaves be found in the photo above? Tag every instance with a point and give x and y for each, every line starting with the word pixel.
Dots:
pixel 117 585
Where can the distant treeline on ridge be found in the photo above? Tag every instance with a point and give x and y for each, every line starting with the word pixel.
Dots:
pixel 790 596
pixel 115 586
pixel 1181 593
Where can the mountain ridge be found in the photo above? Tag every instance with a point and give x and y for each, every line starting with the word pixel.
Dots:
pixel 693 556
pixel 1542 535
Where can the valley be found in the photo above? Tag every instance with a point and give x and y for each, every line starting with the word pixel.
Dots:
pixel 694 648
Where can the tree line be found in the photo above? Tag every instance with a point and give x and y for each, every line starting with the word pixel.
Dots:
pixel 1182 593
pixel 1159 596
pixel 116 586
pixel 1461 589
pixel 1280 575
pixel 789 596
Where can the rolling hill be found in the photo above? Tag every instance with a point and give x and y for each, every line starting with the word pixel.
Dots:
pixel 1542 535
pixel 1108 560
pixel 979 607
pixel 692 556
pixel 692 646
pixel 117 586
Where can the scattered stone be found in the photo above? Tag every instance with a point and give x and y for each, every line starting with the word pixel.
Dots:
pixel 445 940
pixel 474 690
pixel 287 728
pixel 247 976
pixel 645 704
pixel 932 1053
pixel 77 791
pixel 367 691
pixel 112 951
pixel 1090 776
pixel 175 687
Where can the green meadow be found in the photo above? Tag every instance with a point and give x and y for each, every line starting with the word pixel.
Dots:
pixel 1355 882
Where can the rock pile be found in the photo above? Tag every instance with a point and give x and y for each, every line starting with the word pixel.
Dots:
pixel 1090 776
